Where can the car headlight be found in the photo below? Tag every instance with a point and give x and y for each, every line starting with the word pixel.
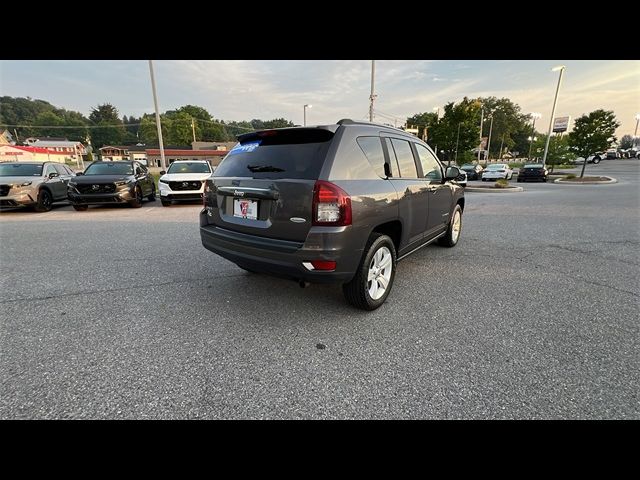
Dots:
pixel 123 182
pixel 24 184
pixel 163 181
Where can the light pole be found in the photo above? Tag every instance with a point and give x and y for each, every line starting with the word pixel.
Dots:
pixel 305 113
pixel 481 121
pixel 457 138
pixel 437 110
pixel 637 122
pixel 373 96
pixel 533 132
pixel 553 112
pixel 155 102
pixel 489 140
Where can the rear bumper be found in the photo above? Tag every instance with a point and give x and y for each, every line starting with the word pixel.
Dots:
pixel 181 196
pixel 285 258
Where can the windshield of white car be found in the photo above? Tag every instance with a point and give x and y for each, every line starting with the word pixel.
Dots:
pixel 20 169
pixel 188 167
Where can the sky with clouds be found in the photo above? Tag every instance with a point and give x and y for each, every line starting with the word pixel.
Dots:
pixel 246 89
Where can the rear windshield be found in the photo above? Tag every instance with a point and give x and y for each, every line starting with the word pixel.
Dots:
pixel 496 166
pixel 20 169
pixel 533 166
pixel 188 167
pixel 297 154
pixel 109 168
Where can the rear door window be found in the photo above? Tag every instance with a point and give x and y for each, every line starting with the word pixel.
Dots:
pixel 406 162
pixel 372 149
pixel 295 154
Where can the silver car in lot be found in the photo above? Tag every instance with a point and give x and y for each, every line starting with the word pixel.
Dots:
pixel 35 184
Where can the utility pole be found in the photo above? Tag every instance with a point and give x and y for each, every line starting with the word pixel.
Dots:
pixel 553 112
pixel 481 121
pixel 163 164
pixel 457 138
pixel 501 144
pixel 489 141
pixel 372 97
pixel 193 129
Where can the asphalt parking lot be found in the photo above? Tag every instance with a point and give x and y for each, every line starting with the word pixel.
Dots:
pixel 121 313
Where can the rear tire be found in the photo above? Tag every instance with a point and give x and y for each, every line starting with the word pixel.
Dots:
pixel 80 208
pixel 45 201
pixel 596 160
pixel 373 280
pixel 152 197
pixel 454 229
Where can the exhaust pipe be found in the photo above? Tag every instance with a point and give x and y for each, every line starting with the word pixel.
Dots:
pixel 303 284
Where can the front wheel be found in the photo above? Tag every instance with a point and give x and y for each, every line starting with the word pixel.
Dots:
pixel 137 201
pixel 372 283
pixel 596 160
pixel 45 201
pixel 450 239
pixel 165 203
pixel 152 197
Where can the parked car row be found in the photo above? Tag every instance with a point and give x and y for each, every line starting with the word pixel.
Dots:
pixel 41 184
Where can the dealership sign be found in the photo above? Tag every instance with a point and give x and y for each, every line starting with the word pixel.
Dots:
pixel 561 124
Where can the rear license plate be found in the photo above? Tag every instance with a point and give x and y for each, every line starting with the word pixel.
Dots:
pixel 245 208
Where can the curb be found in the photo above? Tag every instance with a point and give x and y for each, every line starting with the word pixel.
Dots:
pixel 494 190
pixel 605 182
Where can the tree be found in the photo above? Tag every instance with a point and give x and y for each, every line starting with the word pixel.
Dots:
pixel 278 123
pixel 422 121
pixel 559 152
pixel 458 128
pixel 111 131
pixel 626 142
pixel 508 124
pixel 593 133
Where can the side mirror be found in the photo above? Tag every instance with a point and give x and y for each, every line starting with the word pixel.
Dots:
pixel 54 175
pixel 163 172
pixel 452 173
pixel 79 173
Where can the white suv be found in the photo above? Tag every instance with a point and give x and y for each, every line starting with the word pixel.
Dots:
pixel 183 181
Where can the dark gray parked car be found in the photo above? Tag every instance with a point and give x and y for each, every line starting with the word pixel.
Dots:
pixel 330 204
pixel 34 184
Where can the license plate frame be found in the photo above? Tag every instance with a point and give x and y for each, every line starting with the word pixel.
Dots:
pixel 245 208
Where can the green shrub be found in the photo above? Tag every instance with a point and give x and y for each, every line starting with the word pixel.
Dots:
pixel 569 176
pixel 502 183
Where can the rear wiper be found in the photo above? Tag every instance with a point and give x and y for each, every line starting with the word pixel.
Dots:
pixel 264 168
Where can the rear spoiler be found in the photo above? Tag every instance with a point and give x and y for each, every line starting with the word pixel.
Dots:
pixel 291 132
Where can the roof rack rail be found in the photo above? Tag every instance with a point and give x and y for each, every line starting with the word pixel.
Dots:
pixel 348 121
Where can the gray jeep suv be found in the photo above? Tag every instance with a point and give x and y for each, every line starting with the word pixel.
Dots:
pixel 335 203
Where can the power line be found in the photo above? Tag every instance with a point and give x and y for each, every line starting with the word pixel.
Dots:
pixel 120 125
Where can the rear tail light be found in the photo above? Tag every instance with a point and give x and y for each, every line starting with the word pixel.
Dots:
pixel 205 193
pixel 323 264
pixel 331 205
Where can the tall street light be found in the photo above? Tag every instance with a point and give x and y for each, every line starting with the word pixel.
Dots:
pixel 305 113
pixel 553 112
pixel 481 121
pixel 533 132
pixel 637 122
pixel 155 102
pixel 457 139
pixel 489 140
